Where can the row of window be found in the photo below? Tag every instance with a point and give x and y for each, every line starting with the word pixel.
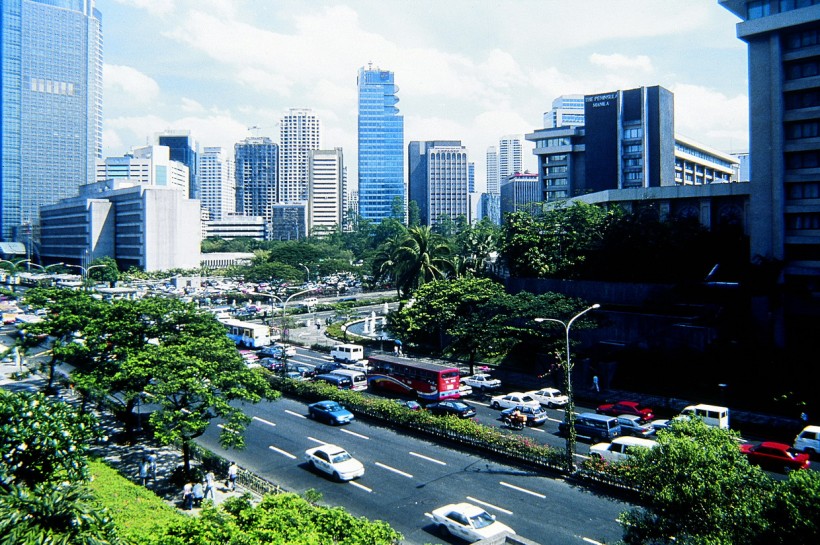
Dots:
pixel 763 8
pixel 798 100
pixel 803 221
pixel 636 132
pixel 801 39
pixel 805 68
pixel 803 159
pixel 810 190
pixel 802 129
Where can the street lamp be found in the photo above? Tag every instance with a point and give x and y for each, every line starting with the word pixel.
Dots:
pixel 306 270
pixel 13 270
pixel 569 413
pixel 86 270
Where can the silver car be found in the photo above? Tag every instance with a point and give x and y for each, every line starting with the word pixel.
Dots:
pixel 631 425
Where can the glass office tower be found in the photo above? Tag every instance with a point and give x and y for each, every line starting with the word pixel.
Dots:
pixel 381 145
pixel 184 149
pixel 257 177
pixel 50 105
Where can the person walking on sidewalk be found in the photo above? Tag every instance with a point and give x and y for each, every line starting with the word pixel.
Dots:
pixel 152 463
pixel 144 471
pixel 595 383
pixel 188 496
pixel 210 478
pixel 233 471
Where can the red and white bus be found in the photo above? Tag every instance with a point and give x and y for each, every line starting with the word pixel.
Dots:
pixel 409 377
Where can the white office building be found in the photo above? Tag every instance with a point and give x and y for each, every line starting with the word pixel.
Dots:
pixel 510 160
pixel 300 134
pixel 148 165
pixel 567 111
pixel 493 181
pixel 325 180
pixel 217 183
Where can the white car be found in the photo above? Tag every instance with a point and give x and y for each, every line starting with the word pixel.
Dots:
pixel 550 397
pixel 335 461
pixel 619 448
pixel 357 366
pixel 482 382
pixel 512 399
pixel 469 522
pixel 465 390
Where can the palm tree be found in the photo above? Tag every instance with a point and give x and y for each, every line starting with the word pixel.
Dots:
pixel 384 263
pixel 422 257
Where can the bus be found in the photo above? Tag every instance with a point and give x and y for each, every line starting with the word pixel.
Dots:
pixel 416 378
pixel 247 333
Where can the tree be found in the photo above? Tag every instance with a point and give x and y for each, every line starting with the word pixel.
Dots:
pixel 422 257
pixel 105 270
pixel 413 214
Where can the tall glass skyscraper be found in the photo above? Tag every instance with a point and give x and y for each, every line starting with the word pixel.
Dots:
pixel 50 105
pixel 257 177
pixel 381 145
pixel 184 149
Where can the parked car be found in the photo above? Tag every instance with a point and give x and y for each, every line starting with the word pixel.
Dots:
pixel 619 448
pixel 331 412
pixel 451 407
pixel 535 415
pixel 631 425
pixel 808 440
pixel 512 399
pixel 482 382
pixel 468 522
pixel 410 404
pixel 326 367
pixel 627 407
pixel 465 390
pixel 304 370
pixel 278 350
pixel 551 397
pixel 775 456
pixel 335 461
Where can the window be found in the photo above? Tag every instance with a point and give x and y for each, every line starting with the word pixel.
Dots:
pixel 803 129
pixel 633 133
pixel 802 99
pixel 803 69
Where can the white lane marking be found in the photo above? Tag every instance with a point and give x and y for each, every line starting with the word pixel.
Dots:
pixel 524 490
pixel 263 421
pixel 363 487
pixel 554 420
pixel 581 456
pixel 316 440
pixel 422 456
pixel 284 453
pixel 591 541
pixel 474 402
pixel 490 505
pixel 538 430
pixel 295 414
pixel 359 435
pixel 394 470
pixel 226 429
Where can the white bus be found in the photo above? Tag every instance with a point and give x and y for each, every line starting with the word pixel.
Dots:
pixel 357 378
pixel 347 353
pixel 247 333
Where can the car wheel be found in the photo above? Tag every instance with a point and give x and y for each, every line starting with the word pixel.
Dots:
pixel 787 470
pixel 311 415
pixel 495 405
pixel 337 477
pixel 443 530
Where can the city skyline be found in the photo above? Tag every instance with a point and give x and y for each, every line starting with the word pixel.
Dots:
pixel 476 71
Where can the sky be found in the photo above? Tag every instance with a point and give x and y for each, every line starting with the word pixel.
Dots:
pixel 469 70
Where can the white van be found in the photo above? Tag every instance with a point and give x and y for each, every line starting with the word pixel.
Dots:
pixel 357 378
pixel 712 415
pixel 808 440
pixel 347 353
pixel 310 302
pixel 618 449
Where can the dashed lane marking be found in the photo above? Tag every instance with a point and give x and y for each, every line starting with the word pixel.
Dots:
pixel 423 457
pixel 263 421
pixel 490 505
pixel 394 470
pixel 359 435
pixel 282 452
pixel 363 487
pixel 524 490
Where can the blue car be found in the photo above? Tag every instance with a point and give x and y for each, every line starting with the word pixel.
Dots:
pixel 535 416
pixel 330 412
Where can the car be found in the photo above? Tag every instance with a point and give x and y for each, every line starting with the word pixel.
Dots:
pixel 619 449
pixel 409 404
pixel 631 425
pixel 468 522
pixel 326 367
pixel 775 456
pixel 551 397
pixel 271 363
pixel 626 407
pixel 331 412
pixel 465 390
pixel 335 461
pixel 535 415
pixel 278 351
pixel 808 440
pixel 452 408
pixel 293 375
pixel 304 370
pixel 512 399
pixel 482 382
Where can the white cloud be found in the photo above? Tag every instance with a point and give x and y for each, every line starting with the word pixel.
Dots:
pixel 154 7
pixel 192 106
pixel 125 80
pixel 711 117
pixel 616 61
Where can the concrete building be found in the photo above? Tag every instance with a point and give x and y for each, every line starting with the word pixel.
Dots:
pixel 50 107
pixel 257 177
pixel 490 207
pixel 567 111
pixel 300 133
pixel 235 226
pixel 438 179
pixel 217 183
pixel 510 156
pixel 519 191
pixel 150 227
pixel 148 165
pixel 184 149
pixel 289 221
pixel 697 164
pixel 325 181
pixel 493 181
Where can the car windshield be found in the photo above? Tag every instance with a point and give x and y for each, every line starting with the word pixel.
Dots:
pixel 340 457
pixel 481 520
pixel 333 407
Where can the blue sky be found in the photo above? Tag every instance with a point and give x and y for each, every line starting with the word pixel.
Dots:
pixel 470 70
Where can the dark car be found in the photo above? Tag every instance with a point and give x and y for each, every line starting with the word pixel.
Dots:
pixel 535 415
pixel 330 412
pixel 627 407
pixel 271 351
pixel 327 367
pixel 305 371
pixel 775 456
pixel 271 363
pixel 450 407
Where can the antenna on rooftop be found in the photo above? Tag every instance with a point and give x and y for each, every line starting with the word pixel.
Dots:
pixel 256 129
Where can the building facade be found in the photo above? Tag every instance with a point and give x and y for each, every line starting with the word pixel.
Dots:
pixel 438 173
pixel 184 149
pixel 289 221
pixel 300 133
pixel 493 181
pixel 235 226
pixel 325 181
pixel 257 177
pixel 381 145
pixel 567 111
pixel 519 191
pixel 510 159
pixel 50 105
pixel 217 183
pixel 148 165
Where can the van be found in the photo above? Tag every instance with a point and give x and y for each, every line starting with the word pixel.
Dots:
pixel 598 427
pixel 808 440
pixel 310 302
pixel 358 379
pixel 712 415
pixel 340 382
pixel 347 353
pixel 618 449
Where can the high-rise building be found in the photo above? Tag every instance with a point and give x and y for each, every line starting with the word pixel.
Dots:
pixel 217 183
pixel 50 105
pixel 438 179
pixel 381 145
pixel 471 177
pixel 518 191
pixel 148 165
pixel 567 111
pixel 325 180
pixel 510 158
pixel 184 149
pixel 257 177
pixel 493 181
pixel 299 135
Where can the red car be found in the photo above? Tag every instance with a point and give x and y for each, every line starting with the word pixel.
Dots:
pixel 627 407
pixel 775 456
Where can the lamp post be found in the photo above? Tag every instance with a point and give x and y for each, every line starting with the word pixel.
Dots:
pixel 85 270
pixel 13 270
pixel 569 413
pixel 307 271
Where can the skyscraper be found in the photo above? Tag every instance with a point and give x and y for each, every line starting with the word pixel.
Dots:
pixel 567 111
pixel 326 177
pixel 381 144
pixel 50 105
pixel 493 183
pixel 217 183
pixel 300 134
pixel 509 156
pixel 257 177
pixel 183 149
pixel 439 179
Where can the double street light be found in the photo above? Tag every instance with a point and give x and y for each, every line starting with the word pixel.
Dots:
pixel 86 270
pixel 569 413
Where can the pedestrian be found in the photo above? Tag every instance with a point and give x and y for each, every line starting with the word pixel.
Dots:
pixel 187 496
pixel 210 478
pixel 233 471
pixel 198 493
pixel 804 416
pixel 595 383
pixel 318 325
pixel 152 463
pixel 395 349
pixel 144 471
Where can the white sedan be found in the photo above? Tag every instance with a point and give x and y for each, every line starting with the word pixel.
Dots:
pixel 550 397
pixel 335 461
pixel 512 399
pixel 467 521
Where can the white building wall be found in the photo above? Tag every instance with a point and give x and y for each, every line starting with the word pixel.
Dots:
pixel 300 134
pixel 172 231
pixel 325 175
pixel 217 182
